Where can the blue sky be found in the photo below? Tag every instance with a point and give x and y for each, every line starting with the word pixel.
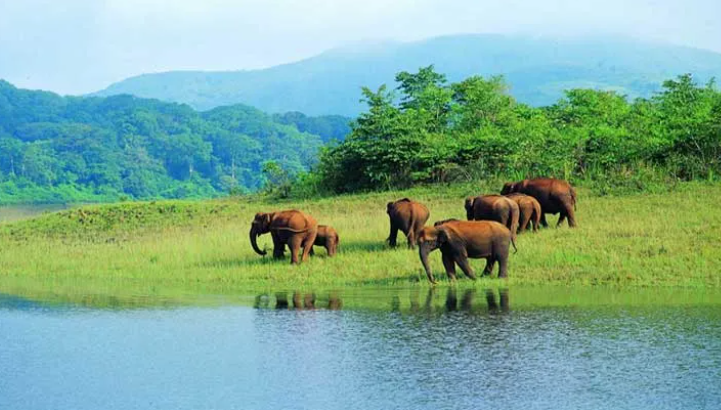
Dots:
pixel 80 46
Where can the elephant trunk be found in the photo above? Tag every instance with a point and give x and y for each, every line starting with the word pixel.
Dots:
pixel 253 241
pixel 423 250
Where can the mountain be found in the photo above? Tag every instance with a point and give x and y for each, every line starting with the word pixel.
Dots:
pixel 538 70
pixel 79 149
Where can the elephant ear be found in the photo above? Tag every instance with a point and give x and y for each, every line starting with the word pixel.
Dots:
pixel 266 220
pixel 389 207
pixel 443 235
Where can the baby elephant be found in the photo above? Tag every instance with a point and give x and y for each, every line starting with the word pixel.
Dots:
pixel 328 238
pixel 460 240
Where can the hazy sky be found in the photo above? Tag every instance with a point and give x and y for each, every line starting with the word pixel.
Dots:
pixel 79 46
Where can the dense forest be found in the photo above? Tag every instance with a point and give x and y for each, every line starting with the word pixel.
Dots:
pixel 69 149
pixel 424 130
pixel 430 130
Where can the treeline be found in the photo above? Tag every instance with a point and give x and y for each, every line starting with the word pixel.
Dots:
pixel 428 130
pixel 425 130
pixel 67 149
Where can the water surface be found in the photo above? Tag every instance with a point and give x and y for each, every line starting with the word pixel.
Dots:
pixel 408 349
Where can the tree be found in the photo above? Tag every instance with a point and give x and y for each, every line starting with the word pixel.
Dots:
pixel 481 103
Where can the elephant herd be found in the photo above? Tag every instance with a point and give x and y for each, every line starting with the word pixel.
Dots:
pixel 491 229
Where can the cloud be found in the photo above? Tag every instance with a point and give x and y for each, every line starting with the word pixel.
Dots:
pixel 78 46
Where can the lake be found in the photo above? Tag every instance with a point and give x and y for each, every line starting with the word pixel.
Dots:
pixel 365 349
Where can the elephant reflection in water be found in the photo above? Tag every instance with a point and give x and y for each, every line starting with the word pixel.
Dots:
pixel 469 295
pixel 306 301
pixel 466 300
pixel 491 300
pixel 299 301
pixel 452 303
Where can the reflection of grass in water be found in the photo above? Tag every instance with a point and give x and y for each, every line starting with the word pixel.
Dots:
pixel 464 296
pixel 641 240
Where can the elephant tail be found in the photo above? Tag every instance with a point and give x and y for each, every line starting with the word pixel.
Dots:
pixel 282 228
pixel 513 242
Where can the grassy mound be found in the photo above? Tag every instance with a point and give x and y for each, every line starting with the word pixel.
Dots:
pixel 669 239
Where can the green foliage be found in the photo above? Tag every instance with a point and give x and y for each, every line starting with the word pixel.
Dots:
pixel 277 180
pixel 473 130
pixel 66 149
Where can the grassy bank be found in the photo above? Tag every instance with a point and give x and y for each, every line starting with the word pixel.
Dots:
pixel 669 239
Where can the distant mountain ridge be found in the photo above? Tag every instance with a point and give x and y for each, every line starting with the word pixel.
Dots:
pixel 537 69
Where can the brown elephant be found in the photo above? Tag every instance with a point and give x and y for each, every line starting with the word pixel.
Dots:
pixel 554 195
pixel 494 208
pixel 530 211
pixel 460 240
pixel 408 216
pixel 328 238
pixel 292 228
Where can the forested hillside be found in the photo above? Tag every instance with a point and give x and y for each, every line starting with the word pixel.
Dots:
pixel 428 129
pixel 66 149
pixel 424 129
pixel 538 70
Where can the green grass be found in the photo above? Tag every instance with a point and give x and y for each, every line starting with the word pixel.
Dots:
pixel 659 240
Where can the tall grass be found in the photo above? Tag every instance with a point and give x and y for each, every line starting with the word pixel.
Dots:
pixel 666 239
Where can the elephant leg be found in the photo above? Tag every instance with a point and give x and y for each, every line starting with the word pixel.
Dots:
pixel 411 239
pixel 490 262
pixel 571 216
pixel 307 243
pixel 524 223
pixel 294 244
pixel 312 252
pixel 561 219
pixel 278 247
pixel 450 266
pixel 503 266
pixel 393 236
pixel 543 220
pixel 331 248
pixel 462 261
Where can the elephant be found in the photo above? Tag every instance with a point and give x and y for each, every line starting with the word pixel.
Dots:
pixel 292 228
pixel 408 216
pixel 494 208
pixel 554 195
pixel 460 240
pixel 530 211
pixel 328 238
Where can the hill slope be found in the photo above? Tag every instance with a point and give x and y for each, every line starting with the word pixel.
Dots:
pixel 537 69
pixel 74 149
